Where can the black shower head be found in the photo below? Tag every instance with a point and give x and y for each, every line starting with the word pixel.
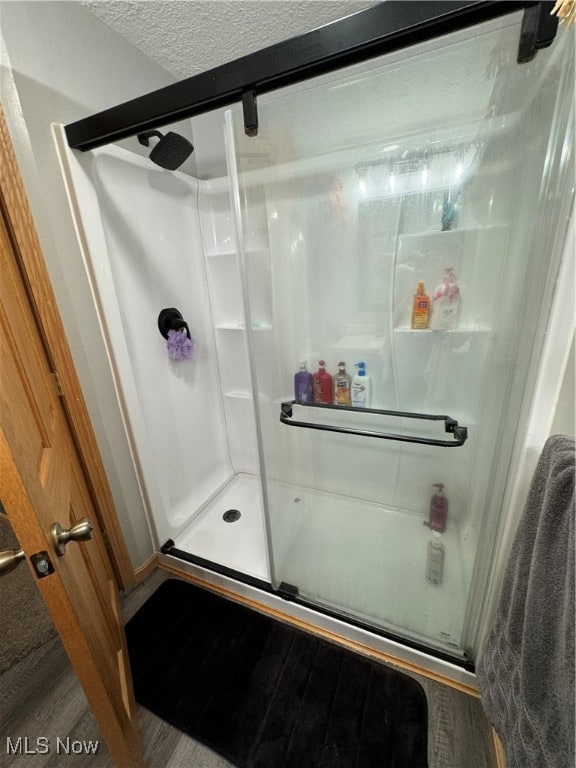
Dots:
pixel 171 150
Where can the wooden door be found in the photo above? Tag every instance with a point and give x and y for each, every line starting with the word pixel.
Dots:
pixel 42 481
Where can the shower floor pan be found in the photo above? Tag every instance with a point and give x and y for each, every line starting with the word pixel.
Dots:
pixel 239 545
pixel 349 556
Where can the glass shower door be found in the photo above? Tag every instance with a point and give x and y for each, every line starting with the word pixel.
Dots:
pixel 360 185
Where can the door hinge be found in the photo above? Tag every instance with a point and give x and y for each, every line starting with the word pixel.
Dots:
pixel 57 384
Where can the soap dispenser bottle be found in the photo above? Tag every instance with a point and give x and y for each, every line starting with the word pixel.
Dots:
pixel 342 386
pixel 446 303
pixel 438 516
pixel 361 388
pixel 303 391
pixel 322 385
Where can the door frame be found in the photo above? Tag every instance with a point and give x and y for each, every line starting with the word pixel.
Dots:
pixel 110 698
pixel 16 212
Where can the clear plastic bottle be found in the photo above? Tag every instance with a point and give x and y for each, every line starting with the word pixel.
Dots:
pixel 435 556
pixel 342 386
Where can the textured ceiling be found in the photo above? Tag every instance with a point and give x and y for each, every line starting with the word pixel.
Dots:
pixel 189 36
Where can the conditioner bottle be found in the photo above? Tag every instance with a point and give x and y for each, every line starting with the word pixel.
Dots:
pixel 342 386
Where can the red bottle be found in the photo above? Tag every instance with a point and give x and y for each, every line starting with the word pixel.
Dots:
pixel 438 509
pixel 322 385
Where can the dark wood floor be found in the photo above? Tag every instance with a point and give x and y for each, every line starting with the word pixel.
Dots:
pixel 40 697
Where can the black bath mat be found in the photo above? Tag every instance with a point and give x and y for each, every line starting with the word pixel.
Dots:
pixel 265 695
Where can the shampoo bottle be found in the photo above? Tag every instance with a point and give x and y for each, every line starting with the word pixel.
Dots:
pixel 438 509
pixel 322 385
pixel 303 391
pixel 420 308
pixel 446 303
pixel 361 388
pixel 342 386
pixel 435 561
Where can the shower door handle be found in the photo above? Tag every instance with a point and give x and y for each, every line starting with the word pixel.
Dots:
pixel 450 425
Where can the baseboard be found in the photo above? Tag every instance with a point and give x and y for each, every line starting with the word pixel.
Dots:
pixel 145 570
pixel 498 748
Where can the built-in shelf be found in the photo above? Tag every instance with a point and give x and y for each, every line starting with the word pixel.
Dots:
pixel 230 327
pixel 454 233
pixel 368 343
pixel 218 254
pixel 465 330
pixel 239 395
pixel 360 342
pixel 242 327
pixel 226 254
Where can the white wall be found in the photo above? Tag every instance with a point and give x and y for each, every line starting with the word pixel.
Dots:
pixel 565 417
pixel 60 64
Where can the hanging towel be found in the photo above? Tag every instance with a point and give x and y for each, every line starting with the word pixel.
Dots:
pixel 526 672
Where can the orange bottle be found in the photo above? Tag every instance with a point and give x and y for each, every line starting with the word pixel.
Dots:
pixel 420 308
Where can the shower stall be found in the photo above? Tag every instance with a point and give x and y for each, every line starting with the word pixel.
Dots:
pixel 311 249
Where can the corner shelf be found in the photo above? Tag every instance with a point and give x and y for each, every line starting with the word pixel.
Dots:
pixel 220 254
pixel 363 343
pixel 463 330
pixel 454 233
pixel 240 326
pixel 239 395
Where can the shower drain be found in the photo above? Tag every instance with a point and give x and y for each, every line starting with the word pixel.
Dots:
pixel 231 515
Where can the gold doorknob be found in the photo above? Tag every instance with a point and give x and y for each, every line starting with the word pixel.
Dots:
pixel 81 531
pixel 9 559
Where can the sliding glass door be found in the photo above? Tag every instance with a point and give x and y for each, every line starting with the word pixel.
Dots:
pixel 363 188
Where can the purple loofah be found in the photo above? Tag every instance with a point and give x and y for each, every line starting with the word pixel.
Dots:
pixel 180 346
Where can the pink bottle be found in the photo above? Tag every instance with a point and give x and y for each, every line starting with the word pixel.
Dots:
pixel 438 509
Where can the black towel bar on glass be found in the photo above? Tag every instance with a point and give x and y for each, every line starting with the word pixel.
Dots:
pixel 450 425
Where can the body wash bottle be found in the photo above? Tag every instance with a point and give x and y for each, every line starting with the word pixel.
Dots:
pixel 342 386
pixel 322 384
pixel 438 515
pixel 420 309
pixel 446 303
pixel 361 388
pixel 303 391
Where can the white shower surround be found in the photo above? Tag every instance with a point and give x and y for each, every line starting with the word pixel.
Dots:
pixel 185 435
pixel 191 422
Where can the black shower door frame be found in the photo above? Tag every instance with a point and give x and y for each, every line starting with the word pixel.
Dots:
pixel 385 27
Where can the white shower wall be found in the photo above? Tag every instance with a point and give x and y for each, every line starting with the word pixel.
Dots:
pixel 157 239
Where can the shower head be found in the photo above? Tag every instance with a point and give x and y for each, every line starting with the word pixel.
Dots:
pixel 171 150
